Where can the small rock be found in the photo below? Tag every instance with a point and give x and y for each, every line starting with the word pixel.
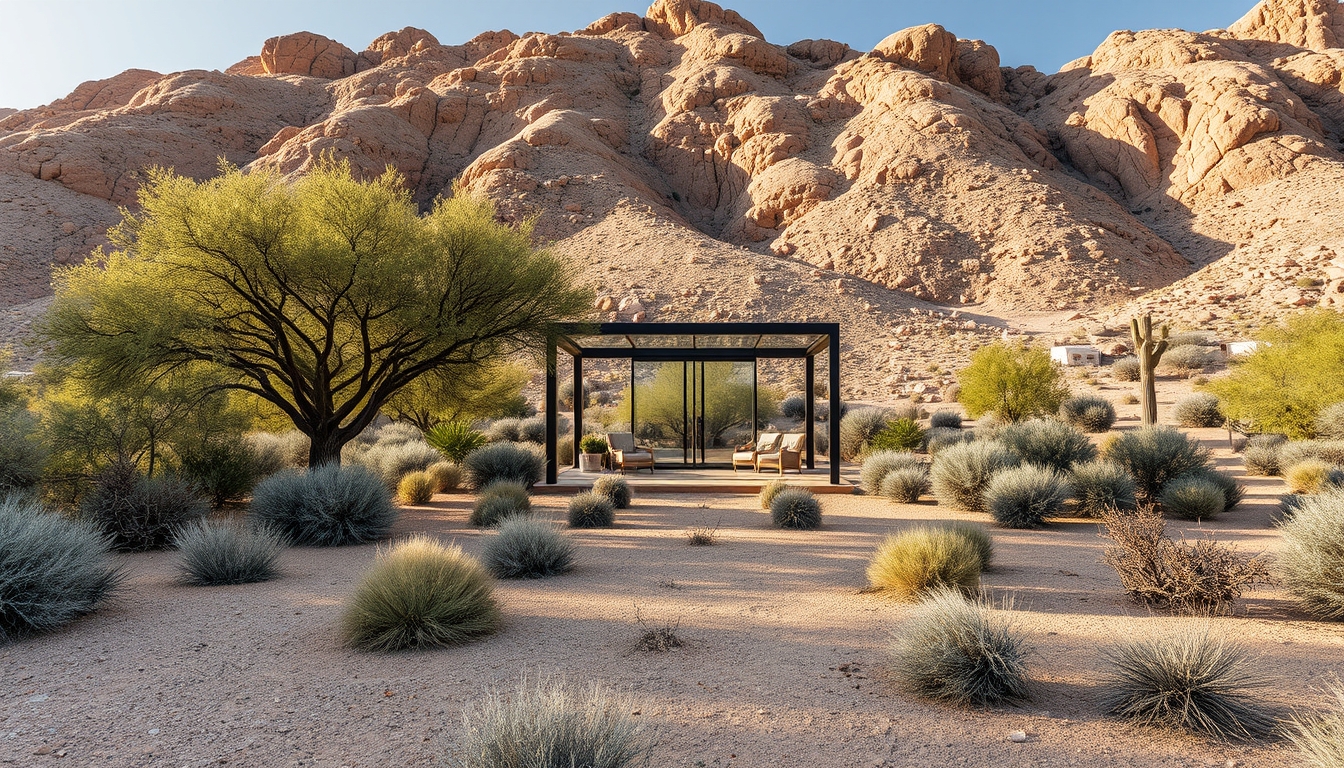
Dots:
pixel 573 207
pixel 639 317
pixel 153 731
pixel 603 304
pixel 42 750
pixel 1017 737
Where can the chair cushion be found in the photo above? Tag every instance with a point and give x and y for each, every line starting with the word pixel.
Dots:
pixel 621 441
pixel 795 442
pixel 768 442
pixel 744 456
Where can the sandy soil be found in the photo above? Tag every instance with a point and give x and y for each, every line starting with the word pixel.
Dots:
pixel 255 675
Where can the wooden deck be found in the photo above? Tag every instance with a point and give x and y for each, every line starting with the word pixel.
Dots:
pixel 705 481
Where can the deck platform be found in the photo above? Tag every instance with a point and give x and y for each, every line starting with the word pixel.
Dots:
pixel 705 481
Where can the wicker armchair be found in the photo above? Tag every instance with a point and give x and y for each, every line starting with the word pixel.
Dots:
pixel 745 455
pixel 626 454
pixel 789 455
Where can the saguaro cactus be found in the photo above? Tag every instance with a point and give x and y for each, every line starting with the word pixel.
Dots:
pixel 1148 348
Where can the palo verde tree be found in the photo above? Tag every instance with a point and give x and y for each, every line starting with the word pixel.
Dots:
pixel 324 296
pixel 1011 381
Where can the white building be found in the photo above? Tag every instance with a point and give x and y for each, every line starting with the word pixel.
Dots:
pixel 1079 355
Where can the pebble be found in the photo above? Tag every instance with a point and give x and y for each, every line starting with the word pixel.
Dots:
pixel 1017 737
pixel 153 731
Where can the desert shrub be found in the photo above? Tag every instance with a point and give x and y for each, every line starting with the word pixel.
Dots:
pixel 1126 369
pixel 224 470
pixel 52 569
pixel 329 506
pixel 454 439
pixel 22 454
pixel 504 430
pixel 954 649
pixel 211 553
pixel 960 473
pixel 795 508
pixel 1011 382
pixel 1154 456
pixel 938 438
pixel 1261 460
pixel 793 407
pixel 905 485
pixel 447 476
pixel 857 429
pixel 1233 492
pixel 1099 486
pixel 1329 451
pixel 1186 360
pixel 903 410
pixel 564 450
pixel 1313 475
pixel 979 538
pixel 915 562
pixel 898 435
pixel 878 464
pixel 1203 577
pixel 770 490
pixel 1198 410
pixel 1319 737
pixel 272 453
pixel 504 461
pixel 552 724
pixel 416 488
pixel 822 441
pixel 1330 422
pixel 1023 497
pixel 1190 681
pixel 499 500
pixel 1190 339
pixel 1192 497
pixel 527 548
pixel 532 430
pixel 1048 443
pixel 591 510
pixel 615 488
pixel 944 418
pixel 140 513
pixel 1089 413
pixel 1311 564
pixel 391 460
pixel 420 594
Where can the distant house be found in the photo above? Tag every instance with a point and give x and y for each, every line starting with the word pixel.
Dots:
pixel 1236 348
pixel 1071 355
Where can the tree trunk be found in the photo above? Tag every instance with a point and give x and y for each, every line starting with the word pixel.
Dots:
pixel 325 447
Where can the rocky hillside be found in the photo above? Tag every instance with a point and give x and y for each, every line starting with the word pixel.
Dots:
pixel 693 170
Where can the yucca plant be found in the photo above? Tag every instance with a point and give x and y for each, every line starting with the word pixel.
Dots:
pixel 454 439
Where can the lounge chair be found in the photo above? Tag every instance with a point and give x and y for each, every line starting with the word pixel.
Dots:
pixel 745 455
pixel 625 454
pixel 789 455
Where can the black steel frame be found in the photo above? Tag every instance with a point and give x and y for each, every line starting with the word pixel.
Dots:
pixel 563 338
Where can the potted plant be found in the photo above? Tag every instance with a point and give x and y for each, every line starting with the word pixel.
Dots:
pixel 591 450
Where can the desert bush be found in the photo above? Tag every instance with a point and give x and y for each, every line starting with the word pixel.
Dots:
pixel 1154 456
pixel 1023 497
pixel 329 506
pixel 1126 369
pixel 905 485
pixel 938 438
pixel 1329 451
pixel 903 410
pixel 1330 422
pixel 274 452
pixel 615 488
pixel 979 538
pixel 1198 410
pixel 447 476
pixel 1308 476
pixel 504 461
pixel 1190 339
pixel 391 459
pixel 52 569
pixel 1261 460
pixel 224 470
pixel 898 435
pixel 499 500
pixel 954 649
pixel 1099 486
pixel 527 548
pixel 504 430
pixel 795 508
pixel 770 490
pixel 1190 681
pixel 961 473
pixel 454 439
pixel 211 553
pixel 416 488
pixel 1203 577
pixel 1192 497
pixel 1311 564
pixel 591 510
pixel 1089 413
pixel 1233 492
pixel 1319 737
pixel 22 454
pixel 564 450
pixel 920 560
pixel 1184 361
pixel 1048 443
pixel 878 464
pixel 551 724
pixel 1011 382
pixel 140 513
pixel 532 430
pixel 857 429
pixel 420 594
pixel 944 418
pixel 793 407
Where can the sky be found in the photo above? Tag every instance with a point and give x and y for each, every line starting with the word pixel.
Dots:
pixel 51 46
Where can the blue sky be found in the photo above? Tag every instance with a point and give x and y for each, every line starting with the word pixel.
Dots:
pixel 53 45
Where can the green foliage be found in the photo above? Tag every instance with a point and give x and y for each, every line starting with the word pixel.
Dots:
pixel 1330 422
pixel 1089 413
pixel 1048 443
pixel 615 488
pixel 769 491
pixel 52 569
pixel 591 510
pixel 461 393
pixel 504 461
pixel 1101 486
pixel 421 594
pixel 1310 476
pixel 915 562
pixel 454 439
pixel 527 548
pixel 224 469
pixel 898 435
pixel 858 427
pixel 1126 369
pixel 1311 563
pixel 1232 491
pixel 330 506
pixel 955 650
pixel 226 552
pixel 22 452
pixel 323 296
pixel 797 509
pixel 961 473
pixel 552 724
pixel 1319 738
pixel 1290 378
pixel 1011 382
pixel 498 500
pixel 1191 681
pixel 416 488
pixel 140 513
pixel 1198 410
pixel 945 419
pixel 1192 497
pixel 593 444
pixel 727 391
pixel 1023 497
pixel 878 464
pixel 1154 456
pixel 905 485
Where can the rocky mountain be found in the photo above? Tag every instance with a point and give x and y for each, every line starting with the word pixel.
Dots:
pixel 694 170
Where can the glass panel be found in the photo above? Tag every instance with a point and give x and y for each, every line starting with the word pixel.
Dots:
pixel 782 341
pixel 662 342
pixel 603 342
pixel 726 342
pixel 660 419
pixel 725 409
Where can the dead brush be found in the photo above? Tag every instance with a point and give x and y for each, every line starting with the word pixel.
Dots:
pixel 703 534
pixel 1203 577
pixel 656 638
